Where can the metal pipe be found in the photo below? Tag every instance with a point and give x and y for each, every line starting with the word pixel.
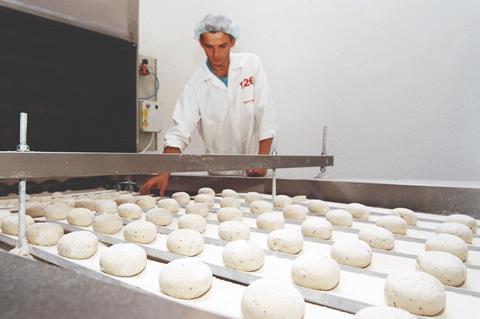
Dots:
pixel 323 169
pixel 274 170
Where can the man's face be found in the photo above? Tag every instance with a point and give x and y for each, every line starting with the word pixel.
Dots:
pixel 217 47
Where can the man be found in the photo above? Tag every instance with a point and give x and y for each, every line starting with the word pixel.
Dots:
pixel 227 98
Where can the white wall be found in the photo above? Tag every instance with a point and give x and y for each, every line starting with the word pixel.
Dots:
pixel 396 82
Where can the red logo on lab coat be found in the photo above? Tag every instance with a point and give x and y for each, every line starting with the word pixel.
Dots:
pixel 247 82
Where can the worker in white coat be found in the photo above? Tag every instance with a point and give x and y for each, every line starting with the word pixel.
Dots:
pixel 228 99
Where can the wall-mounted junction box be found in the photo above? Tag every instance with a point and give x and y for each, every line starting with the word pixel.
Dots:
pixel 150 117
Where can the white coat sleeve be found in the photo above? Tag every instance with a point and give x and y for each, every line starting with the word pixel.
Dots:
pixel 265 117
pixel 185 120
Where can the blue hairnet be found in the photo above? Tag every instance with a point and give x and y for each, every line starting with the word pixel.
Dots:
pixel 218 23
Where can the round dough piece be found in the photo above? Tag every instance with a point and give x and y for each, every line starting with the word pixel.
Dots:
pixel 146 202
pixel 269 298
pixel 260 207
pixel 140 232
pixel 280 201
pixel 456 229
pixel 44 234
pixel 295 211
pixel 408 215
pixel 251 197
pixel 285 240
pixel 416 292
pixel 197 208
pixel 130 211
pixel 204 198
pixel 377 237
pixel 69 202
pixel 78 245
pixel 107 223
pixel 233 230
pixel 352 252
pixel 270 221
pixel 317 227
pixel 383 312
pixel 182 198
pixel 192 221
pixel 463 219
pixel 447 268
pixel 159 216
pixel 123 260
pixel 185 242
pixel 229 213
pixel 4 213
pixel 87 203
pixel 448 243
pixel 393 223
pixel 80 216
pixel 56 211
pixel 207 191
pixel 230 202
pixel 106 206
pixel 10 224
pixel 124 199
pixel 185 278
pixel 317 206
pixel 358 210
pixel 339 217
pixel 169 203
pixel 315 272
pixel 299 199
pixel 229 193
pixel 35 209
pixel 243 255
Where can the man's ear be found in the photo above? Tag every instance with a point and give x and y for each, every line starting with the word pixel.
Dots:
pixel 233 41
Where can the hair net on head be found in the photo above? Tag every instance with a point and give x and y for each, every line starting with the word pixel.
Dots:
pixel 216 23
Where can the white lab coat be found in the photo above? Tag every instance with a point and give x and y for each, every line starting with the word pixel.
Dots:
pixel 230 120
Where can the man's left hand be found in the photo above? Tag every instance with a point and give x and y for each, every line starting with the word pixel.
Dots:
pixel 256 172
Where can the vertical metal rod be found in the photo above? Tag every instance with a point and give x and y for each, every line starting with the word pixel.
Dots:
pixel 274 170
pixel 323 169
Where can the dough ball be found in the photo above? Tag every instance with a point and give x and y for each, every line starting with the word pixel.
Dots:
pixel 383 312
pixel 295 211
pixel 352 252
pixel 229 193
pixel 107 223
pixel 408 215
pixel 315 272
pixel 243 255
pixel 233 230
pixel 87 203
pixel 463 219
pixel 269 298
pixel 207 191
pixel 192 221
pixel 185 278
pixel 357 210
pixel 260 207
pixel 159 216
pixel 35 209
pixel 339 217
pixel 299 199
pixel 377 237
pixel 130 211
pixel 80 216
pixel 4 213
pixel 317 227
pixel 182 198
pixel 317 206
pixel 140 232
pixel 106 206
pixel 56 211
pixel 251 197
pixel 146 202
pixel 185 242
pixel 416 292
pixel 280 201
pixel 124 199
pixel 395 224
pixel 78 245
pixel 44 234
pixel 197 208
pixel 270 221
pixel 229 213
pixel 285 240
pixel 169 203
pixel 10 224
pixel 456 229
pixel 69 202
pixel 123 260
pixel 447 268
pixel 230 202
pixel 448 243
pixel 204 198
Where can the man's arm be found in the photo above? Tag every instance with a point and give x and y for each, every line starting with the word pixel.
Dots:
pixel 264 147
pixel 161 180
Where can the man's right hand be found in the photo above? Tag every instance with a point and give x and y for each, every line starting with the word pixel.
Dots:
pixel 160 181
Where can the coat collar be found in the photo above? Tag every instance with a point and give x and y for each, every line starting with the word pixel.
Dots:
pixel 235 63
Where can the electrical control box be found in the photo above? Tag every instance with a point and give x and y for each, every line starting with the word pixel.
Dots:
pixel 150 117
